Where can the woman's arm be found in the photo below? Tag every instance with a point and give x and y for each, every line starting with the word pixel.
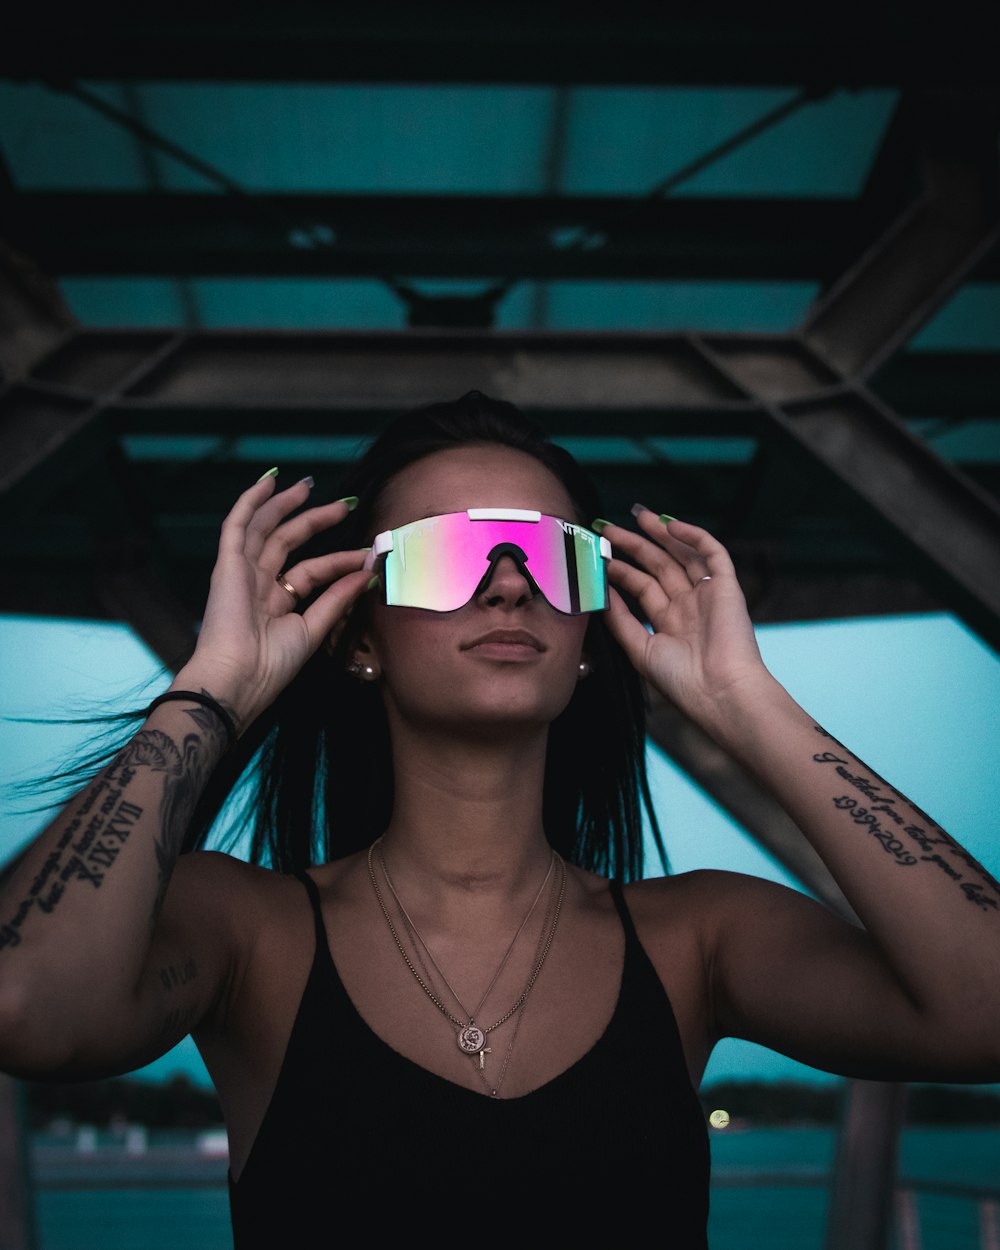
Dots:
pixel 97 971
pixel 918 991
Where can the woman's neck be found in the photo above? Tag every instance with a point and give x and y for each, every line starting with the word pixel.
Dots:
pixel 467 815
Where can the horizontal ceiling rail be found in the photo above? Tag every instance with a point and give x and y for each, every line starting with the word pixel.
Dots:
pixel 365 235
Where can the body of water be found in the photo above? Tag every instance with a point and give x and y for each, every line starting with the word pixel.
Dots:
pixel 193 1211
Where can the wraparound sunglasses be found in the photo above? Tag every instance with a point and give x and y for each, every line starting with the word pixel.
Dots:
pixel 442 562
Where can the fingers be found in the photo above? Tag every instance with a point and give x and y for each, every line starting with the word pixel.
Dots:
pixel 235 527
pixel 677 555
pixel 301 580
pixel 294 533
pixel 256 529
pixel 696 549
pixel 631 635
pixel 326 616
pixel 647 591
pixel 270 536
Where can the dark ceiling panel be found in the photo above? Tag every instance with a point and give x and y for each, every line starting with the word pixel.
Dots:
pixel 515 43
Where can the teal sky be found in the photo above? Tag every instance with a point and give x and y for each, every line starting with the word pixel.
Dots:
pixel 916 697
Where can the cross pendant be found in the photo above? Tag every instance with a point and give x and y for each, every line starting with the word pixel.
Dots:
pixel 482 1057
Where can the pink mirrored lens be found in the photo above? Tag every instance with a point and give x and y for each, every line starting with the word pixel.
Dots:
pixel 439 562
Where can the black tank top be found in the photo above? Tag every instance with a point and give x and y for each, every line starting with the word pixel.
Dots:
pixel 360 1142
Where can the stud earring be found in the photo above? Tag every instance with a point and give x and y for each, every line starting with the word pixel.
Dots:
pixel 363 672
pixel 583 669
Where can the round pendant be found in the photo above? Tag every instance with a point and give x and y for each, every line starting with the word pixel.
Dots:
pixel 471 1039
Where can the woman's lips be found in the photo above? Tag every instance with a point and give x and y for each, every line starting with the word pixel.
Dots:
pixel 506 644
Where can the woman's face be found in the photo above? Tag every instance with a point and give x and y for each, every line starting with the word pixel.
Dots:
pixel 507 657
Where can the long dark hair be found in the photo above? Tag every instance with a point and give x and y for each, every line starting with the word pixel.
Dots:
pixel 311 780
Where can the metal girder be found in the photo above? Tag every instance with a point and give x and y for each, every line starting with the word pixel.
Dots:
pixel 129 589
pixel 861 1199
pixel 128 571
pixel 440 236
pixel 17 1220
pixel 521 44
pixel 45 441
pixel 743 798
pixel 192 381
pixel 925 505
pixel 639 387
pixel 928 508
pixel 578 380
pixel 33 315
pixel 880 302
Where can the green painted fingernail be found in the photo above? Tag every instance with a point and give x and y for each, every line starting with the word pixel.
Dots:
pixel 372 584
pixel 665 517
pixel 270 473
pixel 351 501
pixel 599 525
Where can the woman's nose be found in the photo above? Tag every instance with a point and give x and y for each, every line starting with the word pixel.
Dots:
pixel 505 583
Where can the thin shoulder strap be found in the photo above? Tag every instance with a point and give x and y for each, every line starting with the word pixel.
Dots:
pixel 618 896
pixel 322 942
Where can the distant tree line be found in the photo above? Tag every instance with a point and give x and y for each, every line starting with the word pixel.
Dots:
pixel 177 1103
pixel 789 1102
pixel 180 1103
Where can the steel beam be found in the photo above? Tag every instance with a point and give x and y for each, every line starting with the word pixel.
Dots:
pixel 46 441
pixel 739 794
pixel 924 505
pixel 321 373
pixel 33 315
pixel 936 513
pixel 129 580
pixel 575 378
pixel 635 386
pixel 861 1199
pixel 17 1216
pixel 906 276
pixel 129 589
pixel 439 236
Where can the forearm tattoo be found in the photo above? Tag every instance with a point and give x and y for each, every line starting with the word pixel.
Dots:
pixel 906 840
pixel 88 847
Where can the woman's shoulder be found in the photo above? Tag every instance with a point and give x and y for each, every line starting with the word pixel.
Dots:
pixel 711 886
pixel 701 903
pixel 669 898
pixel 222 889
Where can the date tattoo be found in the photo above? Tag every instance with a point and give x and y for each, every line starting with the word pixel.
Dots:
pixel 929 839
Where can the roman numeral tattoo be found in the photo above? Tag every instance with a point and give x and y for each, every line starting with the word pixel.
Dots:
pixel 104 818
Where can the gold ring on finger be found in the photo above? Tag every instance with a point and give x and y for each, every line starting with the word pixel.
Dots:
pixel 287 585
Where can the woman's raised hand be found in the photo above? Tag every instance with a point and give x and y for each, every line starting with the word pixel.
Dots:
pixel 253 640
pixel 702 647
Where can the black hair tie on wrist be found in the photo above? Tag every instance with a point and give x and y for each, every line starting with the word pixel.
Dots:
pixel 206 700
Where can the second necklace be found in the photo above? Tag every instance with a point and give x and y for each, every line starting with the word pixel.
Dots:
pixel 471 1036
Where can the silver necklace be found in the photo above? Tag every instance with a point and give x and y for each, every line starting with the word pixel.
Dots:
pixel 472 1037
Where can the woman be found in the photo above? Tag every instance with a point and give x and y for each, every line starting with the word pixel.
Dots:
pixel 428 1010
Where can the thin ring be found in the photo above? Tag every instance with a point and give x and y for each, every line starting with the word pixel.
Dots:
pixel 706 578
pixel 285 585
